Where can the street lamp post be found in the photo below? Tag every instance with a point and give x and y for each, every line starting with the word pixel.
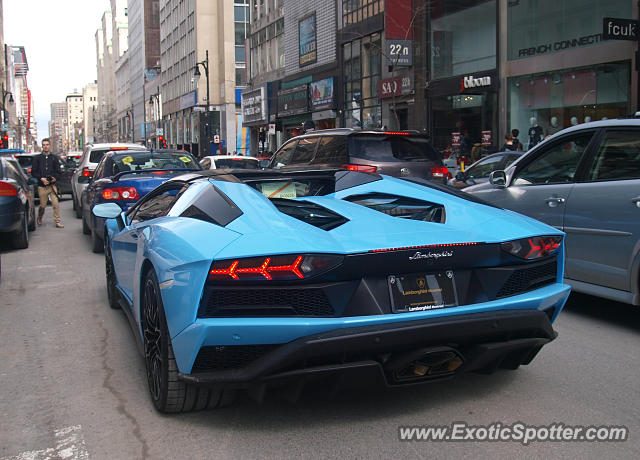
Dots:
pixel 4 104
pixel 196 73
pixel 153 99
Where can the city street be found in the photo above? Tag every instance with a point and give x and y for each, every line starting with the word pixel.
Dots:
pixel 74 386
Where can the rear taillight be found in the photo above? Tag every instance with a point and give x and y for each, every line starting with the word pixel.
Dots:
pixel 360 168
pixel 534 247
pixel 6 189
pixel 29 170
pixel 273 268
pixel 86 172
pixel 396 133
pixel 439 171
pixel 120 193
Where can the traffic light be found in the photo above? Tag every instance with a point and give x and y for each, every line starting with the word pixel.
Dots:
pixel 161 142
pixel 4 140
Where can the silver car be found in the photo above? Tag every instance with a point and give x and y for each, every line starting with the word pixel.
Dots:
pixel 83 173
pixel 584 180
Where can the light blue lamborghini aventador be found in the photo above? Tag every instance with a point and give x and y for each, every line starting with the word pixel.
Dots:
pixel 247 279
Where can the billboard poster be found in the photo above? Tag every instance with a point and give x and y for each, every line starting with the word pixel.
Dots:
pixel 322 94
pixel 308 53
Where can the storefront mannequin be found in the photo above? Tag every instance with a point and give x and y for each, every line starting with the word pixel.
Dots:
pixel 587 119
pixel 535 132
pixel 574 121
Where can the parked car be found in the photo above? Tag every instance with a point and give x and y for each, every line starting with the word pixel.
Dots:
pixel 399 154
pixel 91 156
pixel 68 164
pixel 368 276
pixel 229 161
pixel 17 206
pixel 26 161
pixel 123 177
pixel 479 171
pixel 585 181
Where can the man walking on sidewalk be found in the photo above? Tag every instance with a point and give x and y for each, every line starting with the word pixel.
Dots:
pixel 46 169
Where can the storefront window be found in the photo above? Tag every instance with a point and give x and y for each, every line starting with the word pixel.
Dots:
pixel 362 61
pixel 557 100
pixel 463 37
pixel 539 27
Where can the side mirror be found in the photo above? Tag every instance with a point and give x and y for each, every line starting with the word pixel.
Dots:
pixel 107 210
pixel 471 180
pixel 498 179
pixel 460 176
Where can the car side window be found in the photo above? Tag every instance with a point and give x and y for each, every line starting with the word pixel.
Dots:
pixel 284 156
pixel 510 159
pixel 332 150
pixel 618 157
pixel 305 150
pixel 485 167
pixel 157 205
pixel 557 164
pixel 99 169
pixel 206 163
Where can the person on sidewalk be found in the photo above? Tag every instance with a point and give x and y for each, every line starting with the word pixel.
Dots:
pixel 46 170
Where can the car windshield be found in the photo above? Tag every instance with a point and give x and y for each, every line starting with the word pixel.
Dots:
pixel 25 162
pixel 138 161
pixel 381 148
pixel 245 163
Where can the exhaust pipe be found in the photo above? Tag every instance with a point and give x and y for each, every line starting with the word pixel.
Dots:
pixel 423 364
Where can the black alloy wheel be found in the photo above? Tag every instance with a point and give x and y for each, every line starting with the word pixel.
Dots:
pixel 97 245
pixel 112 290
pixel 21 235
pixel 169 394
pixel 32 218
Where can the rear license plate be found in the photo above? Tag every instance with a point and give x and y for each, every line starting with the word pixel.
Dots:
pixel 422 291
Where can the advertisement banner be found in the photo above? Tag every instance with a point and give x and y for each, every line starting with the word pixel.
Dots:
pixel 455 139
pixel 307 40
pixel 397 20
pixel 254 106
pixel 487 138
pixel 322 94
pixel 293 101
pixel 397 86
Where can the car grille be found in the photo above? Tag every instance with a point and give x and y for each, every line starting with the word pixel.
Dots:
pixel 526 279
pixel 228 357
pixel 265 302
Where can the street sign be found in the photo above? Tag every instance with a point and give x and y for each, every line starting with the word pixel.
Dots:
pixel 159 132
pixel 620 29
pixel 4 126
pixel 216 139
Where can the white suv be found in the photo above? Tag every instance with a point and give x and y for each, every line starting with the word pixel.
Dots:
pixel 92 155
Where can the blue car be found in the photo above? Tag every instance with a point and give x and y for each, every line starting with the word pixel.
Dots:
pixel 253 279
pixel 123 177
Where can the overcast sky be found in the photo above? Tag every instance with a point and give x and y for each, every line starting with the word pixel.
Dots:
pixel 59 40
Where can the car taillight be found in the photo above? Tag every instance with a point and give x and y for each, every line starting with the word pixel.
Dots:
pixel 534 247
pixel 6 189
pixel 361 168
pixel 439 171
pixel 120 193
pixel 29 170
pixel 272 268
pixel 86 172
pixel 396 133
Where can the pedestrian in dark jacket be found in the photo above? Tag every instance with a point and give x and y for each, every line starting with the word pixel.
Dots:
pixel 46 170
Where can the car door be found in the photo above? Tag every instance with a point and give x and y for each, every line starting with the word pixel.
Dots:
pixel 126 243
pixel 540 184
pixel 602 217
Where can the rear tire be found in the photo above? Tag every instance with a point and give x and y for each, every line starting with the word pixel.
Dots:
pixel 85 227
pixel 76 207
pixel 32 218
pixel 169 394
pixel 112 290
pixel 21 235
pixel 97 245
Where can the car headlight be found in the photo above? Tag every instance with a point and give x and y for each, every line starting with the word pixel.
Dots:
pixel 535 247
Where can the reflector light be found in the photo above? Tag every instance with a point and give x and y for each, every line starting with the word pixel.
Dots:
pixel 396 133
pixel 118 148
pixel 6 189
pixel 533 248
pixel 439 171
pixel 360 168
pixel 405 248
pixel 287 267
pixel 120 193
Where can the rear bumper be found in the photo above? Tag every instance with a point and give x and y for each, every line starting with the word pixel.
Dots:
pixel 11 215
pixel 480 341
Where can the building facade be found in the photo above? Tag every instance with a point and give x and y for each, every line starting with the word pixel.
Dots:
pixel 90 112
pixel 75 122
pixel 57 126
pixel 201 34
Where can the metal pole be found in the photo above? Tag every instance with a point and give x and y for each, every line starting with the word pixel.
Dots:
pixel 144 111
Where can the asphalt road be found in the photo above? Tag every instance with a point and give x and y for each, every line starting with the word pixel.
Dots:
pixel 73 384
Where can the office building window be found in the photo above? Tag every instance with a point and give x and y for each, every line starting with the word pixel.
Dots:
pixel 354 11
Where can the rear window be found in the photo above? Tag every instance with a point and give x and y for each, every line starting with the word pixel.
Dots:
pixel 96 155
pixel 137 161
pixel 242 163
pixel 25 161
pixel 381 148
